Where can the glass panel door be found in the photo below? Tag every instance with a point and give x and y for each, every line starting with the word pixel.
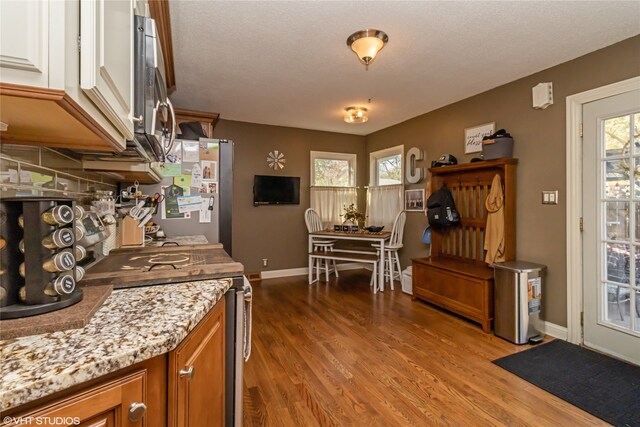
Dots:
pixel 611 237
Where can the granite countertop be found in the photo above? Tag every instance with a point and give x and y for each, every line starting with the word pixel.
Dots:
pixel 133 325
pixel 197 239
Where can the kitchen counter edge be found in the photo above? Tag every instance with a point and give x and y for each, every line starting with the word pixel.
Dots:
pixel 132 326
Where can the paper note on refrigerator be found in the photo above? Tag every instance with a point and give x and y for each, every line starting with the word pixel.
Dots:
pixel 171 169
pixel 205 213
pixel 190 151
pixel 196 176
pixel 189 203
pixel 182 180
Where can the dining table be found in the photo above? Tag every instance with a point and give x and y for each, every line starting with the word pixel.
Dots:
pixel 380 238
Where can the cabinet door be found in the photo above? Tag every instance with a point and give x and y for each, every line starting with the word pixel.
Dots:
pixel 24 42
pixel 114 404
pixel 197 369
pixel 106 59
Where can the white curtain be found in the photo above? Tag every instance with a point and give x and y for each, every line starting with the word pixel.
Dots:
pixel 330 202
pixel 383 204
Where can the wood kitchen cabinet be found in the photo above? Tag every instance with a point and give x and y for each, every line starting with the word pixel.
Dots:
pixel 67 73
pixel 121 402
pixel 185 387
pixel 207 120
pixel 197 375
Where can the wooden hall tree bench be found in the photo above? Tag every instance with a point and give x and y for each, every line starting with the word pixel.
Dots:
pixel 455 277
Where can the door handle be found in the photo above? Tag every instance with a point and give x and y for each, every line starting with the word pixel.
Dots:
pixel 187 372
pixel 172 136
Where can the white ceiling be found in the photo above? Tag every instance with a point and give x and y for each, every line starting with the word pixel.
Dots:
pixel 287 63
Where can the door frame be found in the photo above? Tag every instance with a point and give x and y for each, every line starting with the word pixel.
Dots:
pixel 574 197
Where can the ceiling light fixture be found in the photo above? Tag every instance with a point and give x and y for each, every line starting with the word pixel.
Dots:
pixel 366 44
pixel 356 115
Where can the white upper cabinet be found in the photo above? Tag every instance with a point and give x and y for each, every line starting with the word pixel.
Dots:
pixel 106 59
pixel 75 59
pixel 24 42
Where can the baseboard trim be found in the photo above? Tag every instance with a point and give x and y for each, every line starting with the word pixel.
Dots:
pixel 252 277
pixel 552 329
pixel 303 271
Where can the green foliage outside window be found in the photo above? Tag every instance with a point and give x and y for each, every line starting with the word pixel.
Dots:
pixel 332 173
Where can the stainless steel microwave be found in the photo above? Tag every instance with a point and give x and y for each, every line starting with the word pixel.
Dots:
pixel 154 117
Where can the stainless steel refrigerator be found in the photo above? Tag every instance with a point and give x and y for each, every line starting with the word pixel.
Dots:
pixel 218 185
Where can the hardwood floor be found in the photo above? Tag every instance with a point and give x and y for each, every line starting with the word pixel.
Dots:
pixel 335 354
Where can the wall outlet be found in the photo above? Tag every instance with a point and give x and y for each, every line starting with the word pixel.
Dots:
pixel 265 262
pixel 549 197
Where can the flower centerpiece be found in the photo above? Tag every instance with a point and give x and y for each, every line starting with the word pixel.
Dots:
pixel 353 215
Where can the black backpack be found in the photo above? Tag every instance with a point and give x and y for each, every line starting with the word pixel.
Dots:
pixel 441 209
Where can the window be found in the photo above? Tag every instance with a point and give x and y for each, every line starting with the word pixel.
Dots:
pixel 333 169
pixel 333 184
pixel 386 166
pixel 386 190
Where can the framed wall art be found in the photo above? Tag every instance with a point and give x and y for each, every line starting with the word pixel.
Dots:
pixel 473 137
pixel 414 200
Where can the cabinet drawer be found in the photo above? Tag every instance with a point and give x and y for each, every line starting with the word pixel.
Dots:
pixel 465 295
pixel 462 289
pixel 108 404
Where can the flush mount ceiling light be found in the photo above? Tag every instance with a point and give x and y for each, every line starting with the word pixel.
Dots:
pixel 366 44
pixel 356 115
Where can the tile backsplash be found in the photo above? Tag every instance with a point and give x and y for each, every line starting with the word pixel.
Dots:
pixel 38 171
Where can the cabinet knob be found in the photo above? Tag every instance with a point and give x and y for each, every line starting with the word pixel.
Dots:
pixel 137 411
pixel 187 372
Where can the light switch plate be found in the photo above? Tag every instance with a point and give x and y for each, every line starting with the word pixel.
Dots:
pixel 549 197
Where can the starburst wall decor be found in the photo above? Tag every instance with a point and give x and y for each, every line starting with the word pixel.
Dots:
pixel 276 160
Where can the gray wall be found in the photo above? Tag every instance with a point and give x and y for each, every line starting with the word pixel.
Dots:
pixel 539 145
pixel 277 233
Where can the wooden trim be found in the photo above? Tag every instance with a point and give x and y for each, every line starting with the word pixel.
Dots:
pixel 486 164
pixel 67 103
pixel 9 89
pixel 78 113
pixel 207 120
pixel 196 116
pixel 159 10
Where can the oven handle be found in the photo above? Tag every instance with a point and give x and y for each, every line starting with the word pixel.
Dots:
pixel 248 303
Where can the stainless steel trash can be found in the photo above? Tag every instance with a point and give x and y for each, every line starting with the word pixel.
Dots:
pixel 517 297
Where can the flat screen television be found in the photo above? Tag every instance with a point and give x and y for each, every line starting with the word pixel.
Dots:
pixel 276 190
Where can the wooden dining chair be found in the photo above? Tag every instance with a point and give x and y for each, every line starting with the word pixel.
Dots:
pixel 392 259
pixel 314 223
